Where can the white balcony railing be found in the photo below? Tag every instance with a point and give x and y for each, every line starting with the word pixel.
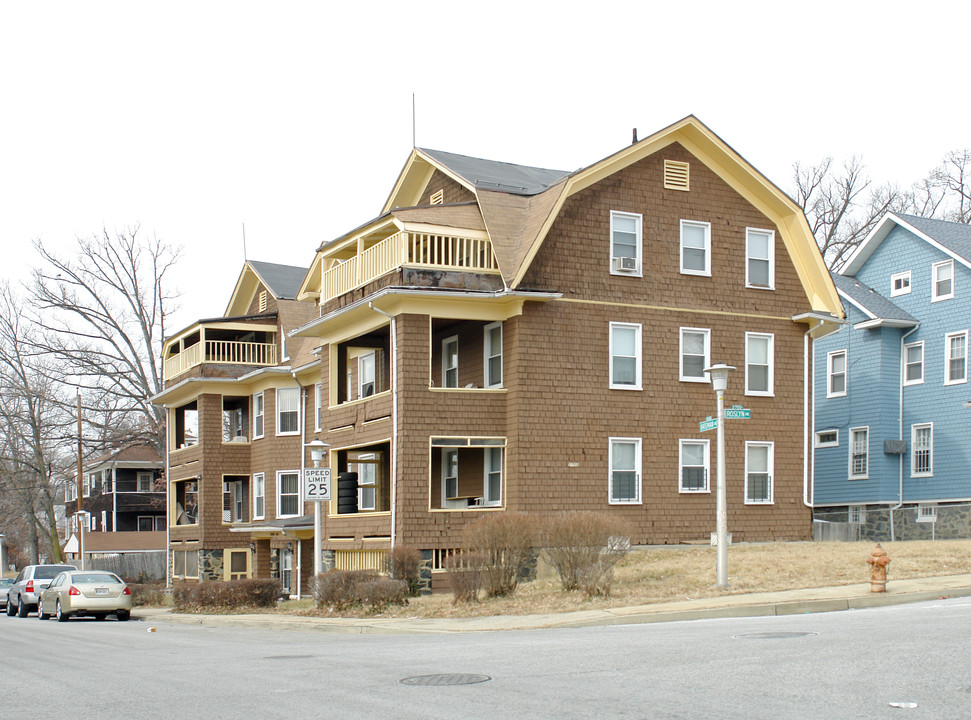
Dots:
pixel 442 252
pixel 227 352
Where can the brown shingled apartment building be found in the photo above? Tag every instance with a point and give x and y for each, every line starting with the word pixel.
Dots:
pixel 507 338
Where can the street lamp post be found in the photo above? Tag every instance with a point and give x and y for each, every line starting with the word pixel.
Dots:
pixel 82 516
pixel 317 449
pixel 719 381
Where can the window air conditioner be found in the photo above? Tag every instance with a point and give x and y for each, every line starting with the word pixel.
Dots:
pixel 625 264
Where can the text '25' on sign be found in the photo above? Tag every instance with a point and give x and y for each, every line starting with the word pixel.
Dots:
pixel 316 484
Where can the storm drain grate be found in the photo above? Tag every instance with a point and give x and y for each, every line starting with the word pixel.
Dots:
pixel 775 635
pixel 447 679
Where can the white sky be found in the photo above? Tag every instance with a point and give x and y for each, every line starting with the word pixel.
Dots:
pixel 295 118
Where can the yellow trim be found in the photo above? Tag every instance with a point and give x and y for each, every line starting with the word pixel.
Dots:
pixel 738 174
pixel 414 178
pixel 474 390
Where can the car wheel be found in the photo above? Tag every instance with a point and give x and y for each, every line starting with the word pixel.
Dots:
pixel 41 615
pixel 123 615
pixel 10 608
pixel 60 614
pixel 22 609
pixel 100 616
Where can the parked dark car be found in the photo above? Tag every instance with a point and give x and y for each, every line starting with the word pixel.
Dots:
pixel 23 594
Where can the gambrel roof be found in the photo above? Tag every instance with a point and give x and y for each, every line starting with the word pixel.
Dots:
pixel 519 204
pixel 951 238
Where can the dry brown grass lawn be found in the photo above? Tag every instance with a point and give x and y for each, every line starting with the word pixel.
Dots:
pixel 663 574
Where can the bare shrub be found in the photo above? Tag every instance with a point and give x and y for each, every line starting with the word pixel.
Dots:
pixel 225 596
pixel 406 565
pixel 147 594
pixel 342 589
pixel 465 575
pixel 583 547
pixel 507 541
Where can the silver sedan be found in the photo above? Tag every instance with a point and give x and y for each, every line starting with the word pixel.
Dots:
pixel 95 593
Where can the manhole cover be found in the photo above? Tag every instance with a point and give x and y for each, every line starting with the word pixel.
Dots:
pixel 449 679
pixel 288 657
pixel 775 635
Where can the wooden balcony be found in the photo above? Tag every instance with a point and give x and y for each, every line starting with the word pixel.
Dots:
pixel 413 249
pixel 225 352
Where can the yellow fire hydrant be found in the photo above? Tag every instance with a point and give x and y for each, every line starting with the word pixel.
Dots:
pixel 878 569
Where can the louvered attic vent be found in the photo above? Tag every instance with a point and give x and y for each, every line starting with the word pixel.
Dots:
pixel 437 198
pixel 263 301
pixel 675 175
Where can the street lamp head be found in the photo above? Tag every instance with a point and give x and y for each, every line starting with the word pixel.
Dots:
pixel 719 376
pixel 317 449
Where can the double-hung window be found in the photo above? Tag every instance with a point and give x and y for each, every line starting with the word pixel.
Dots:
pixel 922 450
pixel 836 373
pixel 900 283
pixel 758 363
pixel 450 362
pixel 258 415
pixel 695 352
pixel 288 494
pixel 625 471
pixel 693 462
pixel 914 363
pixel 942 280
pixel 625 356
pixel 492 490
pixel 759 259
pixel 956 358
pixel 259 496
pixel 625 244
pixel 144 482
pixel 859 453
pixel 450 474
pixel 287 411
pixel 695 248
pixel 758 473
pixel 367 486
pixel 365 374
pixel 493 355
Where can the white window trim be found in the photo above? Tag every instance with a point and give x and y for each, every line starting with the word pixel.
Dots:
pixel 363 359
pixel 934 268
pixel 770 471
pixel 637 357
pixel 771 363
pixel 707 228
pixel 637 470
pixel 261 414
pixel 829 373
pixel 446 451
pixel 856 514
pixel 445 368
pixel 279 494
pixel 771 259
pixel 139 476
pixel 704 376
pixel 926 513
pixel 833 443
pixel 318 405
pixel 261 476
pixel 373 484
pixel 906 275
pixel 849 445
pixel 707 466
pixel 913 450
pixel 486 357
pixel 279 410
pixel 639 243
pixel 920 344
pixel 948 380
pixel 486 454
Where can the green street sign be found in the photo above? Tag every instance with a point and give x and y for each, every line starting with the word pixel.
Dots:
pixel 709 423
pixel 737 412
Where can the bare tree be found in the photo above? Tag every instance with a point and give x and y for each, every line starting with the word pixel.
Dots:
pixel 952 182
pixel 841 205
pixel 102 317
pixel 34 431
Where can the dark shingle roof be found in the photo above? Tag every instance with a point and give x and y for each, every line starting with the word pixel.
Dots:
pixel 493 175
pixel 873 302
pixel 282 280
pixel 956 237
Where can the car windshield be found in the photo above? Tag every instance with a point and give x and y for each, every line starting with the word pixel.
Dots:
pixel 47 572
pixel 95 578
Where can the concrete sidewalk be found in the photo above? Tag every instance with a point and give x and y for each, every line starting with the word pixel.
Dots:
pixel 787 602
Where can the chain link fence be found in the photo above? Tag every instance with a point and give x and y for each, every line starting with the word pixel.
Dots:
pixel 880 524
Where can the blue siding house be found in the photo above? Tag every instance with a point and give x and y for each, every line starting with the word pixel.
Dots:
pixel 892 410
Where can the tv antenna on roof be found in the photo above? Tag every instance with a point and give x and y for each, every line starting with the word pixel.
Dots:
pixel 245 258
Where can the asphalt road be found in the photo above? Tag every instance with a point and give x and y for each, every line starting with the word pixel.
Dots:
pixel 850 664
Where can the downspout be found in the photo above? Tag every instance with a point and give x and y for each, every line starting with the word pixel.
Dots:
pixel 394 421
pixel 303 463
pixel 900 405
pixel 168 508
pixel 808 420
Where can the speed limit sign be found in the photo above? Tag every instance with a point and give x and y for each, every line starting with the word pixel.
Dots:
pixel 316 484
